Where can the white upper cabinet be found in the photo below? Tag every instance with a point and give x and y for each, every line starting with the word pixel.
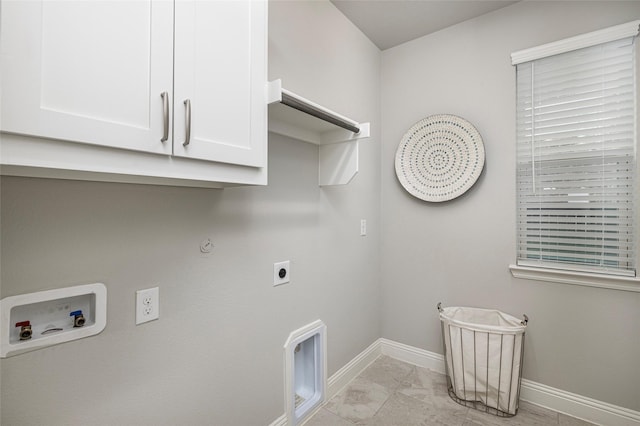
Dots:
pixel 89 72
pixel 218 93
pixel 149 88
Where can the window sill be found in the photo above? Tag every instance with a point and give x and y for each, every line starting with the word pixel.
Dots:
pixel 576 278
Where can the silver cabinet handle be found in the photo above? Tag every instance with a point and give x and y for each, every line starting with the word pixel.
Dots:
pixel 165 116
pixel 187 104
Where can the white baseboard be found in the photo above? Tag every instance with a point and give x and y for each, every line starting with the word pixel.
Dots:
pixel 579 406
pixel 588 409
pixel 280 421
pixel 568 403
pixel 353 369
pixel 415 356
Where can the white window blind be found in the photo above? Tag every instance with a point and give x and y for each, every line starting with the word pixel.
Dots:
pixel 576 159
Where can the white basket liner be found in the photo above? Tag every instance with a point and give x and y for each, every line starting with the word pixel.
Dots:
pixel 483 366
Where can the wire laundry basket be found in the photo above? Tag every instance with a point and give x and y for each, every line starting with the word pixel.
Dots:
pixel 483 351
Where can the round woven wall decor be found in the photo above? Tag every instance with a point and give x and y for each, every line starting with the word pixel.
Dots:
pixel 440 158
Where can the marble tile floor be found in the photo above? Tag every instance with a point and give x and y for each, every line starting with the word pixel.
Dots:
pixel 393 393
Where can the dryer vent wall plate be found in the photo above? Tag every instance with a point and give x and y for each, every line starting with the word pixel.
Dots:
pixel 45 318
pixel 305 371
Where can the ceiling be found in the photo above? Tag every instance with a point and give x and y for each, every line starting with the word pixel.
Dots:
pixel 389 23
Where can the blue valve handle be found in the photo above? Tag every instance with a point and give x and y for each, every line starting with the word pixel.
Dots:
pixel 74 313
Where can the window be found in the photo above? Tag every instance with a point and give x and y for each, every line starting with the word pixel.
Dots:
pixel 577 177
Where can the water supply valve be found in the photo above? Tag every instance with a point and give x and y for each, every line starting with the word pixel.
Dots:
pixel 78 318
pixel 54 316
pixel 25 330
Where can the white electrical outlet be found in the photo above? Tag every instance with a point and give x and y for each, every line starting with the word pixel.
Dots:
pixel 147 305
pixel 281 273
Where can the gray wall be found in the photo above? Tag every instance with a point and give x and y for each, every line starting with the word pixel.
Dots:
pixel 580 339
pixel 215 355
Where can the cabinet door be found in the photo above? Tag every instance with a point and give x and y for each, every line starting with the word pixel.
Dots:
pixel 220 72
pixel 87 71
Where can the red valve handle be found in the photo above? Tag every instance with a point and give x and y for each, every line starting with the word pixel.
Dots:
pixel 23 323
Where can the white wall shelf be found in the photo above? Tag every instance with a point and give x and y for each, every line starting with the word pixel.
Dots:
pixel 334 133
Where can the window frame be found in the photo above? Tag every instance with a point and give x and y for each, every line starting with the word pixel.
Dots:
pixel 569 276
